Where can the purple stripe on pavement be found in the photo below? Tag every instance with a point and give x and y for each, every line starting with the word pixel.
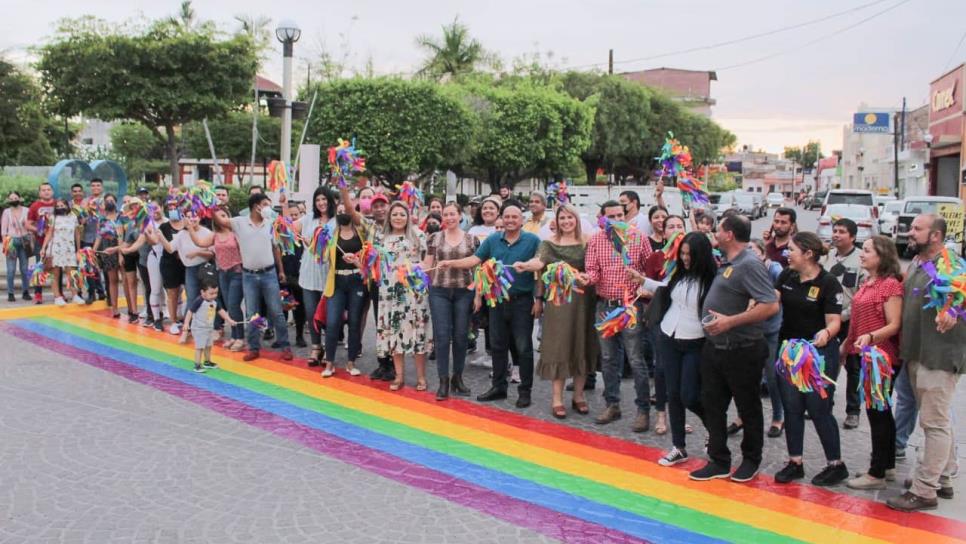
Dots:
pixel 537 518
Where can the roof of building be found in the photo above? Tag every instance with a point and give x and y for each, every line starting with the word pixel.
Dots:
pixel 267 85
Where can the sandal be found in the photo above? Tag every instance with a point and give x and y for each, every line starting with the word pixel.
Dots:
pixel 396 385
pixel 314 355
pixel 688 429
pixel 421 385
pixel 661 426
pixel 558 411
pixel 581 407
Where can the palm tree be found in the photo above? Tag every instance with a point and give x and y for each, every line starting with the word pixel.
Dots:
pixel 186 17
pixel 456 54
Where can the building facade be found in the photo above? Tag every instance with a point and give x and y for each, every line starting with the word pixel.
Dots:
pixel 690 87
pixel 947 115
pixel 867 157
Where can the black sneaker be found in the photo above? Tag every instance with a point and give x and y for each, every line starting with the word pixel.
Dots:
pixel 300 342
pixel 673 457
pixel 199 369
pixel 209 364
pixel 791 472
pixel 269 334
pixel 159 325
pixel 148 322
pixel 831 475
pixel 709 472
pixel 523 400
pixel 745 471
pixel 376 374
pixel 26 296
pixel 11 297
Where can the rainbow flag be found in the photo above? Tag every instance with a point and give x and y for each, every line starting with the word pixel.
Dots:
pixel 562 482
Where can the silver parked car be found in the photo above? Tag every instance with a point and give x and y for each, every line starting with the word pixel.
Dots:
pixel 861 214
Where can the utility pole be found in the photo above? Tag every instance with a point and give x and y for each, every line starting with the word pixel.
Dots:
pixel 610 62
pixel 895 148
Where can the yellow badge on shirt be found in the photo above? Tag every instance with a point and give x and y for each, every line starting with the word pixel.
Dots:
pixel 727 272
pixel 211 313
pixel 813 292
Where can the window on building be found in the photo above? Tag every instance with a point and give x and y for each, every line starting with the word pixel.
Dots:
pixel 87 141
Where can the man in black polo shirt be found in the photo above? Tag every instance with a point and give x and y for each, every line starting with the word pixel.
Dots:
pixel 735 353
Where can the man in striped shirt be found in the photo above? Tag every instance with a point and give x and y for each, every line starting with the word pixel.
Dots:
pixel 605 269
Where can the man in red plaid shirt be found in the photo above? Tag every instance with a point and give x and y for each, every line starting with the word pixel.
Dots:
pixel 605 269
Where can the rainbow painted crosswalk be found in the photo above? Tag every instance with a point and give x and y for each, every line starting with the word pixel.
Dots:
pixel 568 484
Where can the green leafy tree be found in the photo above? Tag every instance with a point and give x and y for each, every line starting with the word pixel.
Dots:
pixel 805 156
pixel 405 127
pixel 22 120
pixel 136 147
pixel 454 54
pixel 162 77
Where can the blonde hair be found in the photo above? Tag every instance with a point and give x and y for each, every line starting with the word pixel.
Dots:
pixel 572 210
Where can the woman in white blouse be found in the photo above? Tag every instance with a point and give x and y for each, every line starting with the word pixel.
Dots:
pixel 680 335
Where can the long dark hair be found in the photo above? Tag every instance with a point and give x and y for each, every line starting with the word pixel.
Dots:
pixel 703 268
pixel 330 203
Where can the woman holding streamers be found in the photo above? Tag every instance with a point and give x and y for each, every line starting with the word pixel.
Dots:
pixel 876 316
pixel 811 301
pixel 403 304
pixel 60 244
pixel 314 269
pixel 450 300
pixel 107 248
pixel 569 311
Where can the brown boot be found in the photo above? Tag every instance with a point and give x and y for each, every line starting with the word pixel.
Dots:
pixel 641 423
pixel 910 502
pixel 611 413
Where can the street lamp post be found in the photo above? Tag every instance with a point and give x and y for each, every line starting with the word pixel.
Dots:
pixel 287 32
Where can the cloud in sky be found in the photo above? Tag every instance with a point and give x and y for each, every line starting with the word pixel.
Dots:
pixel 785 100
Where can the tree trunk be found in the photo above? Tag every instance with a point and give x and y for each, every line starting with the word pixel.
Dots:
pixel 590 169
pixel 171 149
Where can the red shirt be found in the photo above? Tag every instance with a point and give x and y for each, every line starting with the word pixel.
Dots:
pixel 606 268
pixel 38 209
pixel 777 254
pixel 868 314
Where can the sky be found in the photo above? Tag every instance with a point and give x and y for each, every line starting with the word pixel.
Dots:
pixel 811 81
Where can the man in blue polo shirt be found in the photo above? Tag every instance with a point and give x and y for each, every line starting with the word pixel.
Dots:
pixel 511 320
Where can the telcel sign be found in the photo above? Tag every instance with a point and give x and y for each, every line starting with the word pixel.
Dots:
pixel 875 122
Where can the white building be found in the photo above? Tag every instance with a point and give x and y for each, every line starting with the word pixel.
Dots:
pixel 867 158
pixel 94 135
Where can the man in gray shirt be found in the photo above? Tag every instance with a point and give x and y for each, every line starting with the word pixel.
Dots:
pixel 931 347
pixel 740 299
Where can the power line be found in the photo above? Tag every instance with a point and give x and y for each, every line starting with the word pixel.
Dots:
pixel 738 40
pixel 956 50
pixel 814 41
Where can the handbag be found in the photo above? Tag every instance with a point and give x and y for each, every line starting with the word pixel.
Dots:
pixel 659 305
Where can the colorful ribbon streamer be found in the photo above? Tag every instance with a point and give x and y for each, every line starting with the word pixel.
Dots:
pixel 620 234
pixel 7 245
pixel 375 262
pixel 875 379
pixel 492 280
pixel 618 319
pixel 946 290
pixel 319 244
pixel 259 322
pixel 288 301
pixel 675 158
pixel 559 190
pixel 277 176
pixel 283 232
pixel 345 161
pixel 691 191
pixel 410 195
pixel 800 362
pixel 38 277
pixel 670 250
pixel 560 282
pixel 87 262
pixel 413 278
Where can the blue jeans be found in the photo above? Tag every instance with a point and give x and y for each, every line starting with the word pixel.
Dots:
pixel 349 295
pixel 511 324
pixel 192 289
pixel 450 309
pixel 631 340
pixel 682 373
pixel 818 408
pixel 310 300
pixel 17 254
pixel 774 393
pixel 258 287
pixel 230 294
pixel 905 408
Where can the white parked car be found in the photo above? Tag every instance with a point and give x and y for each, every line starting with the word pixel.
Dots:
pixel 861 214
pixel 776 200
pixel 889 217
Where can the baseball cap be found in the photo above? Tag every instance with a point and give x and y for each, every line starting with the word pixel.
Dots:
pixel 143 190
pixel 380 197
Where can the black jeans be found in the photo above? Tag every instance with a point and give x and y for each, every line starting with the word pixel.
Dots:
pixel 852 385
pixel 681 360
pixel 512 323
pixel 883 430
pixel 820 410
pixel 733 373
pixel 146 282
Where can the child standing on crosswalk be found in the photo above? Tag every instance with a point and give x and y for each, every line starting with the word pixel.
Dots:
pixel 200 320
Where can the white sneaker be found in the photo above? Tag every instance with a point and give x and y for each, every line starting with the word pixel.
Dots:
pixel 78 300
pixel 175 329
pixel 59 301
pixel 515 375
pixel 673 457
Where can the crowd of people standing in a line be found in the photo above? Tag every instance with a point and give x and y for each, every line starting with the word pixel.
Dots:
pixel 709 325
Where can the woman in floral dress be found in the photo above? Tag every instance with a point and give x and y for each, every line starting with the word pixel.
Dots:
pixel 60 245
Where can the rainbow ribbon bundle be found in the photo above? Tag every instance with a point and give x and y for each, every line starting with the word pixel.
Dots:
pixel 675 158
pixel 288 301
pixel 691 190
pixel 75 281
pixel 559 190
pixel 202 199
pixel 800 362
pixel 492 279
pixel 87 262
pixel 80 211
pixel 108 229
pixel 257 321
pixel 946 290
pixel 409 194
pixel 345 160
pixel 560 282
pixel 277 176
pixel 620 318
pixel 7 245
pixel 321 239
pixel 94 206
pixel 670 250
pixel 413 278
pixel 284 234
pixel 42 224
pixel 375 262
pixel 875 378
pixel 38 277
pixel 620 234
